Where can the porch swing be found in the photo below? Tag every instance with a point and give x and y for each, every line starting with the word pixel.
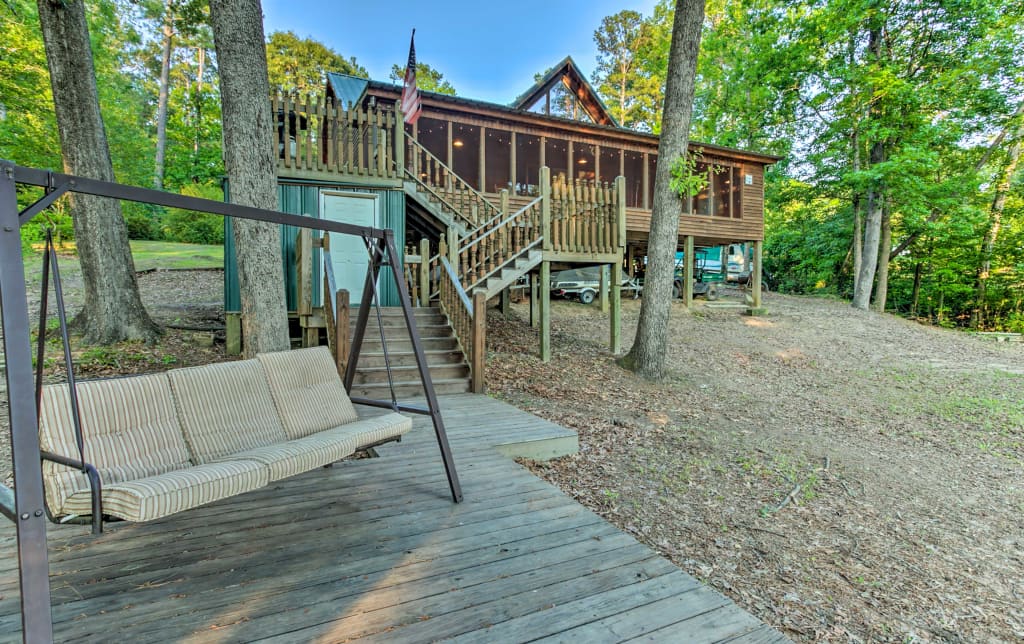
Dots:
pixel 164 443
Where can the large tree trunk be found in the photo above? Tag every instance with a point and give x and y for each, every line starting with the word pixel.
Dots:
pixel 250 161
pixel 113 310
pixel 161 104
pixel 872 235
pixel 884 246
pixel 995 222
pixel 647 357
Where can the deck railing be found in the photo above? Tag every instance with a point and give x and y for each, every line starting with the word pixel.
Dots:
pixel 585 217
pixel 497 243
pixel 468 319
pixel 313 134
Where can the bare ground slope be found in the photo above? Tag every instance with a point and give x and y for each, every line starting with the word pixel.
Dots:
pixel 845 476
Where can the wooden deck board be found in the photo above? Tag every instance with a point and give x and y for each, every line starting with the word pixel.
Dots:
pixel 375 549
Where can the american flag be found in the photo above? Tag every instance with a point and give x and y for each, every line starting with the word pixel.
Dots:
pixel 411 106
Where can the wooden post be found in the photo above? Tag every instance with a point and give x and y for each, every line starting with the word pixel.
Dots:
pixel 506 301
pixel 688 271
pixel 571 172
pixel 479 340
pixel 543 150
pixel 647 197
pixel 448 161
pixel 755 276
pixel 545 311
pixel 603 289
pixel 620 207
pixel 545 215
pixel 512 180
pixel 483 160
pixel 233 334
pixel 615 339
pixel 399 144
pixel 341 330
pixel 534 301
pixel 453 248
pixel 304 287
pixel 424 272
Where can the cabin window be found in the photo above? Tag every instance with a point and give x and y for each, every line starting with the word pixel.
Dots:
pixel 497 161
pixel 433 135
pixel 583 161
pixel 556 156
pixel 737 190
pixel 652 166
pixel 702 200
pixel 527 165
pixel 725 183
pixel 634 173
pixel 609 166
pixel 466 153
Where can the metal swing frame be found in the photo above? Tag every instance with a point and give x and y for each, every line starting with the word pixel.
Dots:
pixel 25 505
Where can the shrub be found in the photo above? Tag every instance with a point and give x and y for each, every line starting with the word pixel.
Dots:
pixel 195 227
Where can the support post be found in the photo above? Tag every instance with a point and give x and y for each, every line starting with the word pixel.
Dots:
pixel 534 301
pixel 424 272
pixel 755 276
pixel 615 333
pixel 603 289
pixel 33 558
pixel 342 328
pixel 482 187
pixel 479 340
pixel 506 301
pixel 233 334
pixel 453 248
pixel 304 286
pixel 545 311
pixel 545 214
pixel 688 271
pixel 399 143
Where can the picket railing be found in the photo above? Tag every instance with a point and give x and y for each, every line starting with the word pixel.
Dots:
pixel 468 319
pixel 495 244
pixel 585 217
pixel 450 191
pixel 313 134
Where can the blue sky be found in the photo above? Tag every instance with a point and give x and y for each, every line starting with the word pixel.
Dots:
pixel 488 50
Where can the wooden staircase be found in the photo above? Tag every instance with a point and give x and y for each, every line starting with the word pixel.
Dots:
pixel 449 368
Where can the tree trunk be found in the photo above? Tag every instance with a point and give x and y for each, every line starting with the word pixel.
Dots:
pixel 161 105
pixel 112 310
pixel 858 220
pixel 873 222
pixel 915 296
pixel 884 246
pixel 250 162
pixel 647 356
pixel 995 221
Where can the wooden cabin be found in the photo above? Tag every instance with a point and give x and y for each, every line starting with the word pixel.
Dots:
pixel 501 192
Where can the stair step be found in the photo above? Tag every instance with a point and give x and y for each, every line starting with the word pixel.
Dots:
pixel 410 389
pixel 372 359
pixel 409 373
pixel 401 333
pixel 399 344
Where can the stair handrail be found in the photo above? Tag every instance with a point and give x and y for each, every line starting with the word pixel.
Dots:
pixel 499 225
pixel 412 175
pixel 451 173
pixel 468 319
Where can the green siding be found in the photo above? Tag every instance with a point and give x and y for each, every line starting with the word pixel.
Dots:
pixel 304 199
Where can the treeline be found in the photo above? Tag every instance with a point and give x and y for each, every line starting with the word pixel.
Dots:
pixel 900 124
pixel 158 87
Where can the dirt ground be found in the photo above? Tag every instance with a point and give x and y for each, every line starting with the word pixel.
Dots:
pixel 845 476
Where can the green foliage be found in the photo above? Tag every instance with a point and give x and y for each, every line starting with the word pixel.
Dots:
pixel 301 64
pixel 618 40
pixel 195 227
pixel 428 79
pixel 686 181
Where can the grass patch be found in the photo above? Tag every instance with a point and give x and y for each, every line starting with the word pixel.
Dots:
pixel 148 255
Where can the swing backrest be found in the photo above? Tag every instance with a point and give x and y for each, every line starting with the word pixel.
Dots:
pixel 225 408
pixel 307 390
pixel 130 430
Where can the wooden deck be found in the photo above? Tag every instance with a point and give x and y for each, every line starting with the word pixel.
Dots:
pixel 375 550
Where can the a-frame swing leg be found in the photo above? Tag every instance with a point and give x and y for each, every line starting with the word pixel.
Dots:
pixel 33 561
pixel 382 252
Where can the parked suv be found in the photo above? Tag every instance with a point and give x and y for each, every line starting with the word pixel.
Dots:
pixel 585 284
